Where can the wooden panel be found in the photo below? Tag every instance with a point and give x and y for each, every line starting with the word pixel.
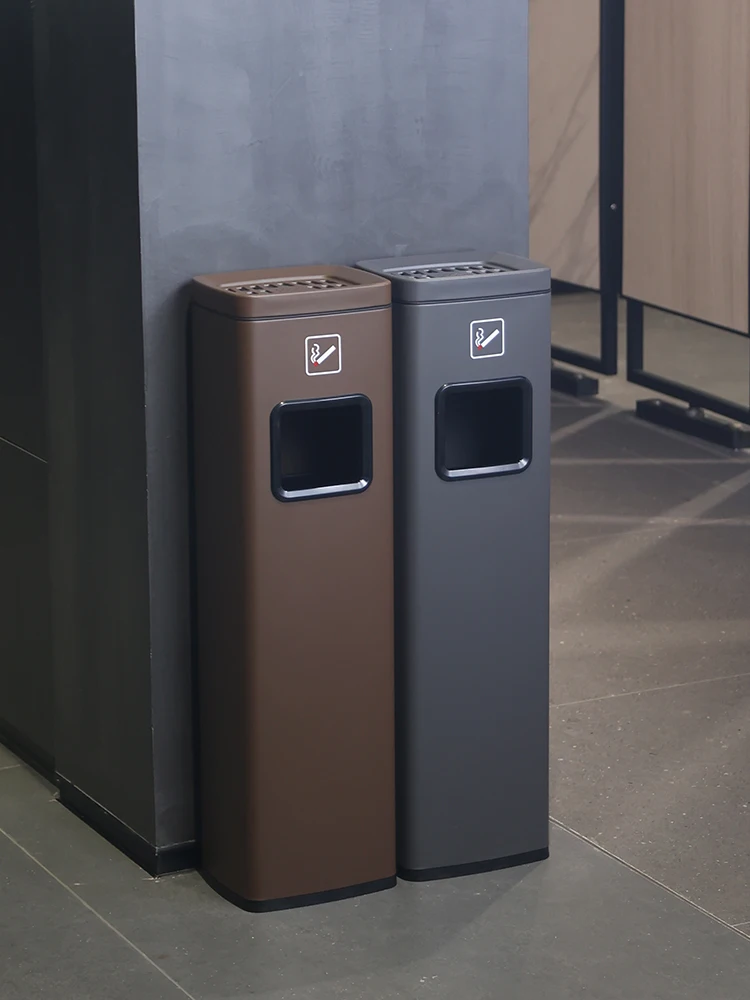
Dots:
pixel 687 157
pixel 564 137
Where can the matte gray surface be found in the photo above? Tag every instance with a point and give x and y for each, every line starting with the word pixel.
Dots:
pixel 472 571
pixel 578 925
pixel 310 130
pixel 26 708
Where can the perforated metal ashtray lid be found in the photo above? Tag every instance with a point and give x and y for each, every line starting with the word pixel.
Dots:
pixel 290 291
pixel 474 269
pixel 316 283
pixel 466 275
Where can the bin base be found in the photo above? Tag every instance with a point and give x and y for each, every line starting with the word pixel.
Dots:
pixel 292 902
pixel 473 867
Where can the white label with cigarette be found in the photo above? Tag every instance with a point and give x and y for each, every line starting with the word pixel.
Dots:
pixel 323 354
pixel 487 339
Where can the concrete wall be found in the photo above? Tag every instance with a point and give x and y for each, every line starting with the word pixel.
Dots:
pixel 233 133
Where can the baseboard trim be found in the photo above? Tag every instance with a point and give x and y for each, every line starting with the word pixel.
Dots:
pixel 473 868
pixel 155 860
pixel 28 751
pixel 292 902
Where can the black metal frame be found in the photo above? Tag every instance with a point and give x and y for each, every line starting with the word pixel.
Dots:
pixel 611 134
pixel 691 419
pixel 732 432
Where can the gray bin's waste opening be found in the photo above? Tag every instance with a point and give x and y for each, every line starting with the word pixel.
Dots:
pixel 483 428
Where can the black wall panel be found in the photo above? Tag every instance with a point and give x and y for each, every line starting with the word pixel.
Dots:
pixel 25 654
pixel 89 214
pixel 26 705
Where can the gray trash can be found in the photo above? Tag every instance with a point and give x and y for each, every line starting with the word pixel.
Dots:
pixel 472 428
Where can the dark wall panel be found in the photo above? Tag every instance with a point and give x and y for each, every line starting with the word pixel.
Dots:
pixel 21 364
pixel 295 131
pixel 26 677
pixel 26 718
pixel 92 319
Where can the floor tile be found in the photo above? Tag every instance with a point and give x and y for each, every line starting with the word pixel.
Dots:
pixel 623 435
pixel 565 416
pixel 7 759
pixel 631 490
pixel 581 533
pixel 508 934
pixel 31 813
pixel 52 945
pixel 578 925
pixel 661 780
pixel 665 608
pixel 737 506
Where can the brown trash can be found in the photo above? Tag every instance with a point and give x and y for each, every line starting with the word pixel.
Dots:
pixel 292 432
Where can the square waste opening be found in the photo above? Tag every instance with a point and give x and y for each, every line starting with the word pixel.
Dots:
pixel 321 447
pixel 483 428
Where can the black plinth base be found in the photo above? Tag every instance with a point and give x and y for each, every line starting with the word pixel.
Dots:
pixel 473 868
pixel 574 383
pixel 291 902
pixel 697 423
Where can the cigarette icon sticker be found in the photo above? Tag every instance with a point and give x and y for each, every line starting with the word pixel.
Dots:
pixel 487 338
pixel 323 354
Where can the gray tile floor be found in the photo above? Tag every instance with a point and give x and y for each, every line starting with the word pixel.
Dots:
pixel 645 896
pixel 78 921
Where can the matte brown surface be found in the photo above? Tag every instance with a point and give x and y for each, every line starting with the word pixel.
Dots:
pixel 295 620
pixel 361 291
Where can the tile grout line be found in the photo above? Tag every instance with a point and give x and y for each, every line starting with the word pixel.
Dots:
pixel 570 584
pixel 664 687
pixel 580 425
pixel 571 461
pixel 650 522
pixel 98 915
pixel 654 881
pixel 8 767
